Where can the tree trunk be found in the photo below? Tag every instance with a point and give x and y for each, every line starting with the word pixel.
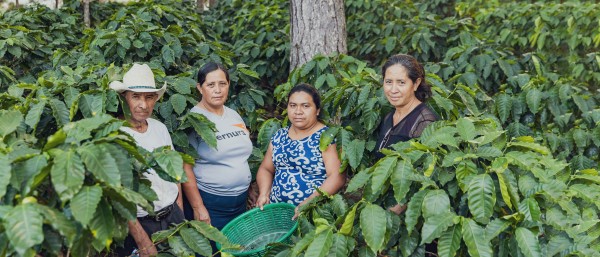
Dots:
pixel 317 27
pixel 212 3
pixel 86 13
pixel 17 3
pixel 200 6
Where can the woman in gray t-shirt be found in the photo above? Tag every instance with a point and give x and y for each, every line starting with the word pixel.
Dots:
pixel 222 173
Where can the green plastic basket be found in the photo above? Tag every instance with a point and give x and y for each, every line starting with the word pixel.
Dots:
pixel 256 228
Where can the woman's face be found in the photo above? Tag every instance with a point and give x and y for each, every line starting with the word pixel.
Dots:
pixel 302 111
pixel 398 87
pixel 215 89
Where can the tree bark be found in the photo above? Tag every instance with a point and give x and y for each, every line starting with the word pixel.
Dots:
pixel 212 3
pixel 200 6
pixel 317 27
pixel 86 13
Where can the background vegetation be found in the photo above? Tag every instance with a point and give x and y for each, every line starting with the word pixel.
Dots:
pixel 512 170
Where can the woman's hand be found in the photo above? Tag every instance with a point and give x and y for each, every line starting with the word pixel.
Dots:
pixel 201 214
pixel 262 200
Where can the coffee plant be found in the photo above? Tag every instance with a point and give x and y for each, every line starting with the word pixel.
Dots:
pixel 511 168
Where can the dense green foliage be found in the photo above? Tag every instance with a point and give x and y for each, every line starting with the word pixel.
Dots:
pixel 512 170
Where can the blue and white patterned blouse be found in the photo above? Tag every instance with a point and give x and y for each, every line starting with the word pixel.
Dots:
pixel 299 166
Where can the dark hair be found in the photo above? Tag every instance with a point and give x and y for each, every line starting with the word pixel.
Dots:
pixel 415 71
pixel 208 68
pixel 306 88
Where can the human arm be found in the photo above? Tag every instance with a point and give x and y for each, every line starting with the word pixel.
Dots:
pixel 193 195
pixel 144 244
pixel 335 180
pixel 264 178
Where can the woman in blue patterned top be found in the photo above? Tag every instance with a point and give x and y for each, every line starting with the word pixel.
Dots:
pixel 293 165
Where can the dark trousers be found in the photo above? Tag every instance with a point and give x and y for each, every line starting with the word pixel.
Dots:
pixel 151 226
pixel 222 209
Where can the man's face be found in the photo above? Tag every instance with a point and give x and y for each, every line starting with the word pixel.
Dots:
pixel 140 104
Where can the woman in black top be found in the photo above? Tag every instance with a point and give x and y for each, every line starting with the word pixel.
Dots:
pixel 405 88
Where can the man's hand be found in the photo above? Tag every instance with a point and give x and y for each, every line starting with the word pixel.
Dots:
pixel 201 214
pixel 148 251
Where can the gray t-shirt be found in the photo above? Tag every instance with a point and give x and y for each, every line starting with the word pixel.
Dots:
pixel 223 171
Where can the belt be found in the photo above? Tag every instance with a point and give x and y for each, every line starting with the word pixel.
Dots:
pixel 160 214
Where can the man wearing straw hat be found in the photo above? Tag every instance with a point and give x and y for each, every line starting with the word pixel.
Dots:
pixel 139 91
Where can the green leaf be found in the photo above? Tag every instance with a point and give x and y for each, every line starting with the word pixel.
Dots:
pixel 531 146
pixel 321 245
pixel 449 241
pixel 67 173
pixel 10 121
pixel 327 138
pixel 34 114
pixel 196 241
pixel 137 197
pixel 91 104
pixel 528 242
pixel 503 106
pixel 358 181
pixel 179 103
pixel 382 172
pixel 179 247
pixel 170 161
pixel 99 162
pixel 266 131
pixel 373 225
pixel 488 152
pixel 331 81
pixel 354 152
pixel 488 137
pixel 435 202
pixel 434 226
pixel 5 174
pixel 534 99
pixel 348 224
pixel 399 180
pixel 466 129
pixel 504 190
pixel 84 203
pixel 103 224
pixel 303 243
pixel 340 246
pixel 307 68
pixel 482 197
pixel 531 209
pixel 320 81
pixel 495 227
pixel 168 55
pixel 23 226
pixel 413 211
pixel 204 127
pixel 210 232
pixel 474 237
pixel 59 222
pixel 248 72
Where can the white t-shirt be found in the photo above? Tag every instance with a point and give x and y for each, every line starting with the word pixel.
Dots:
pixel 155 136
pixel 223 171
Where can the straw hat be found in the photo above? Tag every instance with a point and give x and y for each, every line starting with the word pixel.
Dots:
pixel 138 79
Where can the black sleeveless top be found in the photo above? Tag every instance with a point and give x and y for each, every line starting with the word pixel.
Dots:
pixel 410 127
